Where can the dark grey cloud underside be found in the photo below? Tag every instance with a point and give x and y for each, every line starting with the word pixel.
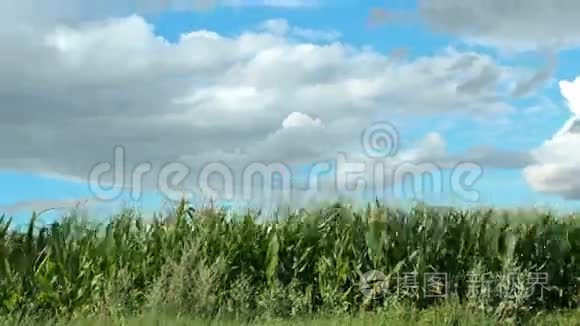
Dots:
pixel 514 24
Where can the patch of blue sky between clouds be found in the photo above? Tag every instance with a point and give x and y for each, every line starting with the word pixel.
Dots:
pixel 24 193
pixel 350 19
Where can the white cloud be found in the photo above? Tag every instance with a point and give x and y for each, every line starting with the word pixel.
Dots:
pixel 298 119
pixel 571 91
pixel 557 164
pixel 71 92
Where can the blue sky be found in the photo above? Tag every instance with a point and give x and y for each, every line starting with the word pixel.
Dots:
pixel 36 179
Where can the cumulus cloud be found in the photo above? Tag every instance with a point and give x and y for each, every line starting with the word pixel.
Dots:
pixel 72 91
pixel 507 24
pixel 558 160
pixel 571 91
pixel 297 120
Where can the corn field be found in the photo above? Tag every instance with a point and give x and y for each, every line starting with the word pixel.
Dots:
pixel 214 264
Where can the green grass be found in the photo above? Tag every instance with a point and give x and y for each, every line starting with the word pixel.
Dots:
pixel 444 315
pixel 307 266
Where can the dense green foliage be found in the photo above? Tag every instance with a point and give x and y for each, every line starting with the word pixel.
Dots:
pixel 214 264
pixel 448 314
